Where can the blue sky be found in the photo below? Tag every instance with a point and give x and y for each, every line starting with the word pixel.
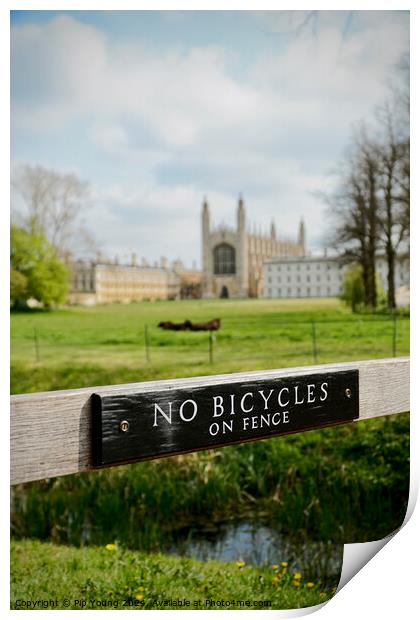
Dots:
pixel 156 109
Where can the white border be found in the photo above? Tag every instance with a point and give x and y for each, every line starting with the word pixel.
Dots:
pixel 387 586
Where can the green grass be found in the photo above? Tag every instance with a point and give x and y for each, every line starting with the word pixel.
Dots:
pixel 343 484
pixel 101 578
pixel 81 347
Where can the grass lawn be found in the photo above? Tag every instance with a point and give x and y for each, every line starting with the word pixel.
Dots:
pixel 337 484
pixel 102 345
pixel 122 579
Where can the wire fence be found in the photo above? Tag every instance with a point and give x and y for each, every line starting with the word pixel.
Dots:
pixel 314 341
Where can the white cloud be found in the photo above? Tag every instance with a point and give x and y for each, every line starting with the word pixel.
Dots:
pixel 182 96
pixel 187 125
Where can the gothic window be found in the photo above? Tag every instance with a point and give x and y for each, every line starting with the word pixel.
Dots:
pixel 224 259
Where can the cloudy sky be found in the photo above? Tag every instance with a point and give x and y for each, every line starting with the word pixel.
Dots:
pixel 157 109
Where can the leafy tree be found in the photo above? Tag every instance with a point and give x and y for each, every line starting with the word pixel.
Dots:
pixel 41 274
pixel 353 288
pixel 18 287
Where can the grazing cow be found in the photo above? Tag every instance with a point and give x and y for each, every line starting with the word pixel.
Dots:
pixel 175 326
pixel 213 325
pixel 188 326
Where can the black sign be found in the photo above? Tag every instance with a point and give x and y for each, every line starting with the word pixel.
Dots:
pixel 132 427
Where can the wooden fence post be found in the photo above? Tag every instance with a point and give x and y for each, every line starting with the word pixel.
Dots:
pixel 210 347
pixel 36 343
pixel 394 336
pixel 314 347
pixel 147 343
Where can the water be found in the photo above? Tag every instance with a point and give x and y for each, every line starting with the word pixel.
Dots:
pixel 261 545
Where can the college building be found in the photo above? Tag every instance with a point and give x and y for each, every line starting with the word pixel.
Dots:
pixel 233 258
pixel 322 276
pixel 103 282
pixel 236 261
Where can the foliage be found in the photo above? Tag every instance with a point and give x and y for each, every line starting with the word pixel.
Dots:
pixel 345 484
pixel 100 576
pixel 18 287
pixel 353 288
pixel 353 293
pixel 41 274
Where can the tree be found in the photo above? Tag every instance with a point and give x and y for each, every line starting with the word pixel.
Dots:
pixel 371 206
pixel 52 202
pixel 354 209
pixel 18 288
pixel 369 178
pixel 36 270
pixel 394 186
pixel 353 288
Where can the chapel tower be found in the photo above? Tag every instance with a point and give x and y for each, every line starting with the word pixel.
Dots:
pixel 233 257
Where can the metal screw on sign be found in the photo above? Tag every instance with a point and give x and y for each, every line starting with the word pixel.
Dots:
pixel 124 426
pixel 348 392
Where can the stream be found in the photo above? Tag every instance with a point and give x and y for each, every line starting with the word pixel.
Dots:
pixel 261 545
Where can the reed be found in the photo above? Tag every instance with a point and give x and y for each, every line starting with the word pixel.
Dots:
pixel 341 484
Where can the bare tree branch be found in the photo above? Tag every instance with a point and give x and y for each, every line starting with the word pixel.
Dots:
pixel 52 204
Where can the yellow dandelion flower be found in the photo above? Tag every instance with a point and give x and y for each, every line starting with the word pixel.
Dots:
pixel 275 567
pixel 310 584
pixel 111 547
pixel 275 581
pixel 296 583
pixel 140 589
pixel 297 576
pixel 285 564
pixel 139 597
pixel 240 563
pixel 322 594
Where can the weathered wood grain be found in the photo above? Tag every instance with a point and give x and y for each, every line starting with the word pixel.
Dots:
pixel 51 433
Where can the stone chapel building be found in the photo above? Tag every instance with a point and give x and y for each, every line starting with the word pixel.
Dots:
pixel 233 257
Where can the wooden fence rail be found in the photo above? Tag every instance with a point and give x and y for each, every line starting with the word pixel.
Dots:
pixel 52 432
